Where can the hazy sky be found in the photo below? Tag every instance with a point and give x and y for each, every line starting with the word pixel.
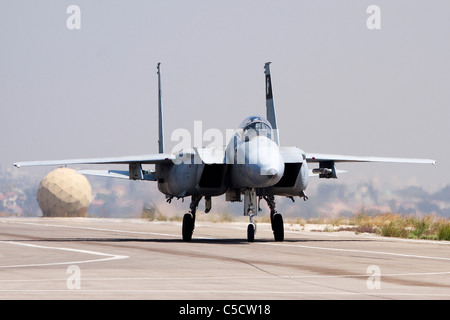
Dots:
pixel 338 86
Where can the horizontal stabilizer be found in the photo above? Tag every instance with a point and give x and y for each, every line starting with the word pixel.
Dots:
pixel 106 173
pixel 119 174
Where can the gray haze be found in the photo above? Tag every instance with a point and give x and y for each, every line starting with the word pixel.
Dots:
pixel 338 86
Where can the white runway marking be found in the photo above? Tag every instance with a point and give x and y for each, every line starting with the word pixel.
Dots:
pixel 94 229
pixel 357 251
pixel 106 256
pixel 258 243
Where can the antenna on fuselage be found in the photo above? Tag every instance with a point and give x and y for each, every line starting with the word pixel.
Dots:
pixel 270 108
pixel 160 115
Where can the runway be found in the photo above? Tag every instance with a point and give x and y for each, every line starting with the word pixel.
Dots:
pixel 83 258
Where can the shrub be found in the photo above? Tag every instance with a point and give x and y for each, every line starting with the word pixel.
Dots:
pixel 395 229
pixel 444 232
pixel 420 228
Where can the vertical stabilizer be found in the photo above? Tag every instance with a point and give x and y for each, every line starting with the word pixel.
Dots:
pixel 270 108
pixel 160 115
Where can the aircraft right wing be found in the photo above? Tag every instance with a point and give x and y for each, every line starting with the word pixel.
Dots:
pixel 135 171
pixel 142 159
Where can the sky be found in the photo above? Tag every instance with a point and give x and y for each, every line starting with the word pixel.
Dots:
pixel 339 87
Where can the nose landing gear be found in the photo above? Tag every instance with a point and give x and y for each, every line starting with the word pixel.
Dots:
pixel 251 207
pixel 251 230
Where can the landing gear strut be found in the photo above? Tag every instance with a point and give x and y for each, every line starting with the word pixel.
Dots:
pixel 276 219
pixel 251 206
pixel 189 219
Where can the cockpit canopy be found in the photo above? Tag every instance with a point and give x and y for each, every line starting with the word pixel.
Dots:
pixel 256 126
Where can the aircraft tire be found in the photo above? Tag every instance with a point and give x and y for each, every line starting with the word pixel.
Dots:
pixel 277 227
pixel 188 227
pixel 251 233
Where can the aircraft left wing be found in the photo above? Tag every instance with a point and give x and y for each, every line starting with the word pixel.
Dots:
pixel 327 168
pixel 319 157
pixel 142 159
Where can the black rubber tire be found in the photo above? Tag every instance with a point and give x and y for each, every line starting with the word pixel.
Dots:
pixel 188 227
pixel 251 233
pixel 278 227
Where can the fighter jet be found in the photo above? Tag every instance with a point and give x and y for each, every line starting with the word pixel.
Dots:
pixel 252 165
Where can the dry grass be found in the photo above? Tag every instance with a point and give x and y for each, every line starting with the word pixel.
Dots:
pixel 397 225
pixel 429 227
pixel 388 224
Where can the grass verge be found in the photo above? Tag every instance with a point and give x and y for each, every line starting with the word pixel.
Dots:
pixel 396 225
pixel 428 227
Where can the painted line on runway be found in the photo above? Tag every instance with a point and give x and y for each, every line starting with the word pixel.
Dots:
pixel 259 243
pixel 357 251
pixel 93 229
pixel 110 230
pixel 107 256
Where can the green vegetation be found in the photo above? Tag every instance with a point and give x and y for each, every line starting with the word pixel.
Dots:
pixel 444 232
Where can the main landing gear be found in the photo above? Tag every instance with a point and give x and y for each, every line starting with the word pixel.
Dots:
pixel 276 219
pixel 189 219
pixel 251 207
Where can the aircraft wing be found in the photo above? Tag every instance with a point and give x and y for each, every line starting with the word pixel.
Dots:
pixel 141 159
pixel 320 157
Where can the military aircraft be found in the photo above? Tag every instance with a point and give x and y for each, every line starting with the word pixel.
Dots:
pixel 252 164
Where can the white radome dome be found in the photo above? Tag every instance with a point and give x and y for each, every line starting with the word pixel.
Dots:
pixel 64 193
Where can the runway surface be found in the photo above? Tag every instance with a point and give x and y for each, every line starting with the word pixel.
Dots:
pixel 80 258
